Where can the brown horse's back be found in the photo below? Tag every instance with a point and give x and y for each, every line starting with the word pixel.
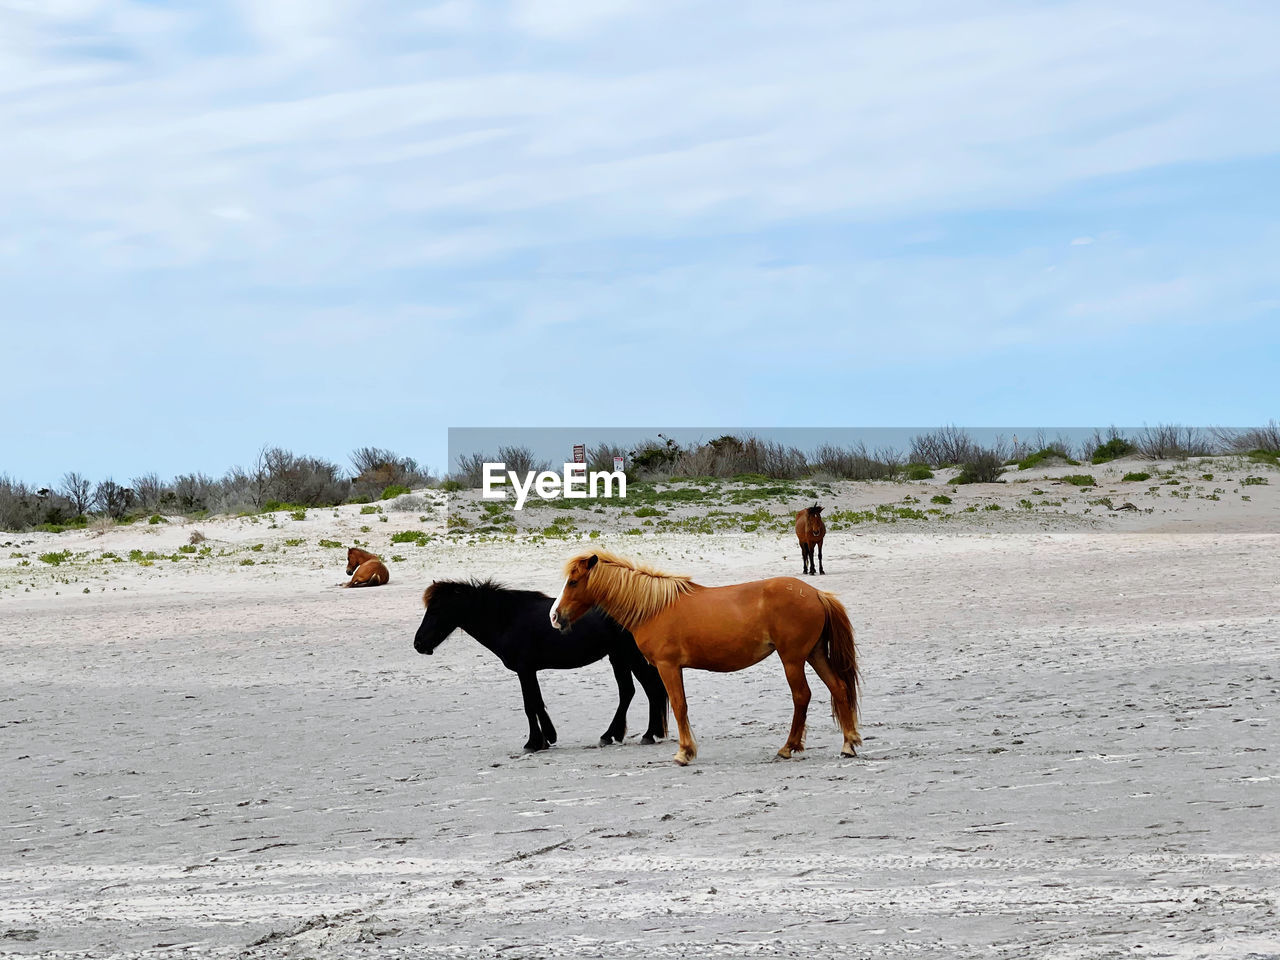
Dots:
pixel 747 620
pixel 365 569
pixel 371 573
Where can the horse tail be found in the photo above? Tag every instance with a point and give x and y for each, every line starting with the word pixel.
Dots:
pixel 842 653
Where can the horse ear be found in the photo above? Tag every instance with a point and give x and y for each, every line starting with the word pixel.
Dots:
pixel 819 509
pixel 592 561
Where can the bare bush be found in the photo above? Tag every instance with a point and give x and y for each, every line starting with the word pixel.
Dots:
pixel 302 480
pixel 470 472
pixel 521 460
pixel 1265 438
pixel 196 537
pixel 855 463
pixel 983 464
pixel 192 492
pixel 148 491
pixel 78 491
pixel 1171 441
pixel 376 469
pixel 943 447
pixel 601 457
pixel 112 499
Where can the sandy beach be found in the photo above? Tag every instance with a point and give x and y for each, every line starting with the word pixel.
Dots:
pixel 1069 713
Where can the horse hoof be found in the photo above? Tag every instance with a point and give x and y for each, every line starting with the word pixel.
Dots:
pixel 648 739
pixel 847 751
pixel 535 747
pixel 681 758
pixel 785 753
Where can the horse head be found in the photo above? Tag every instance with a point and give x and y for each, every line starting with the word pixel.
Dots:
pixel 576 597
pixel 440 619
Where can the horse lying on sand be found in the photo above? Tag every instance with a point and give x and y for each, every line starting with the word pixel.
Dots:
pixel 810 531
pixel 678 623
pixel 513 624
pixel 365 569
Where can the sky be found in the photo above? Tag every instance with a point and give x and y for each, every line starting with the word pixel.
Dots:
pixel 326 224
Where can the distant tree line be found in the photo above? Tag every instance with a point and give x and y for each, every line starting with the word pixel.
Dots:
pixel 275 478
pixel 733 456
pixel 278 477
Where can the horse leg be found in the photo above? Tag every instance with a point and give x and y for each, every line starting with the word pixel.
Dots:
pixel 800 700
pixel 839 700
pixel 626 690
pixel 535 711
pixel 804 558
pixel 673 679
pixel 649 679
pixel 820 570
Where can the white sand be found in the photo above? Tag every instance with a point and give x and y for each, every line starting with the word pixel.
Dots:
pixel 1070 724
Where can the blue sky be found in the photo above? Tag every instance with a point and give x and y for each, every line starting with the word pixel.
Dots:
pixel 327 224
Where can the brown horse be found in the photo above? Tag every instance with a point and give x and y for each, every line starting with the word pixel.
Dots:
pixel 809 531
pixel 678 623
pixel 365 569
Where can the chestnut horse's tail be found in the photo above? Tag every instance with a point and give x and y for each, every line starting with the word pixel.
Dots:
pixel 842 654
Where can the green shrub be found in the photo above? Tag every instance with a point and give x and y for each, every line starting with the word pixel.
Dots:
pixel 299 514
pixel 1137 477
pixel 295 541
pixel 156 518
pixel 1080 480
pixel 647 511
pixel 54 559
pixel 393 490
pixel 1114 448
pixel 918 471
pixel 633 532
pixel 1253 481
pixel 451 486
pixel 939 498
pixel 247 562
pixel 411 536
pixel 334 544
pixel 1045 453
pixel 187 548
pixel 396 558
pixel 365 511
pixel 983 466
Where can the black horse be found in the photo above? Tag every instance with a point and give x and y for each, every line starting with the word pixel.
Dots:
pixel 514 625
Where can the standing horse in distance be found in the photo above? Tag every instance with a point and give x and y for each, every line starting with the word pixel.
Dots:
pixel 365 569
pixel 810 531
pixel 513 624
pixel 678 623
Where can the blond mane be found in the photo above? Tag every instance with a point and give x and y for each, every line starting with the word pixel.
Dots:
pixel 630 592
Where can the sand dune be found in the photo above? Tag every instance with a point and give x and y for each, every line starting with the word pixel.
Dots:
pixel 1069 712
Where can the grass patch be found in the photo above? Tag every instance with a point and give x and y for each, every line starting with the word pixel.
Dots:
pixel 393 491
pixel 1254 481
pixel 1137 476
pixel 295 541
pixel 334 544
pixel 918 471
pixel 55 559
pixel 411 536
pixel 939 498
pixel 373 508
pixel 1080 480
